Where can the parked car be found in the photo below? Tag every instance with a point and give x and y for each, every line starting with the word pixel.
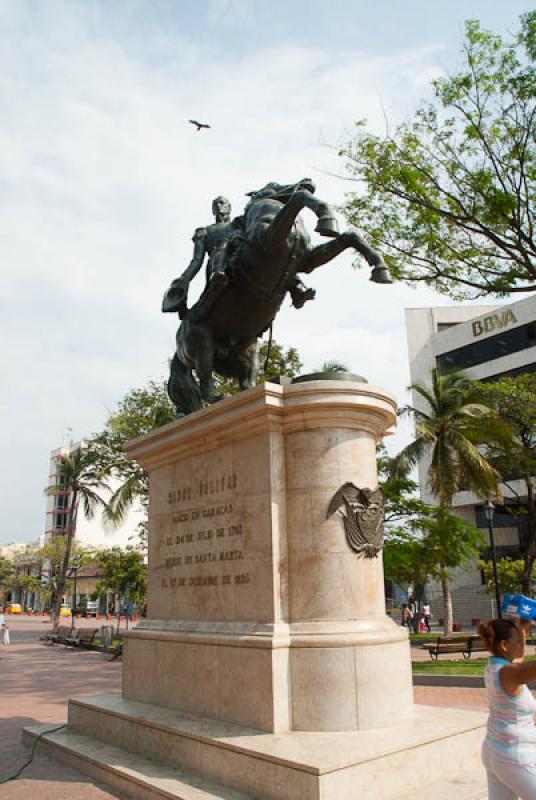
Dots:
pixel 88 608
pixel 13 608
pixel 65 610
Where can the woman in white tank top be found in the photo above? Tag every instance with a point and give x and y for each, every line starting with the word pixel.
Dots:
pixel 509 749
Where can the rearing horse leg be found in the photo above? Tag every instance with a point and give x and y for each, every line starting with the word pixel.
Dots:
pixel 183 389
pixel 326 252
pixel 204 362
pixel 282 223
pixel 247 366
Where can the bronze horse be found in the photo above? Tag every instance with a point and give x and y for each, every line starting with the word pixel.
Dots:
pixel 269 248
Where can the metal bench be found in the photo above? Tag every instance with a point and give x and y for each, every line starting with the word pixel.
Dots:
pixel 56 634
pixel 85 637
pixel 466 645
pixel 71 638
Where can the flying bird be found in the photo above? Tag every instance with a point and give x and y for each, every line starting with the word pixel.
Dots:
pixel 199 125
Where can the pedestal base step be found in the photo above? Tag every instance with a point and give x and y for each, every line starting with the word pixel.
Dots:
pixel 437 750
pixel 134 777
pixel 472 786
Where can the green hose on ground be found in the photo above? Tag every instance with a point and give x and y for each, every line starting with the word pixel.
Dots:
pixel 32 754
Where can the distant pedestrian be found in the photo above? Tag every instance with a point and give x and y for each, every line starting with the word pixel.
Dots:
pixel 413 622
pixel 427 616
pixel 4 630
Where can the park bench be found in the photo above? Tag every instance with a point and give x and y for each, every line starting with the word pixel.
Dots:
pixel 56 634
pixel 466 645
pixel 85 637
pixel 71 638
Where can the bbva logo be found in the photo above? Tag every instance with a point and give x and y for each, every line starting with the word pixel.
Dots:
pixel 493 322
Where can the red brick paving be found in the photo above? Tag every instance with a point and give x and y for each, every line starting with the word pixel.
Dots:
pixel 35 684
pixel 450 697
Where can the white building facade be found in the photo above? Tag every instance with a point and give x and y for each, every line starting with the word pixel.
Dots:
pixel 487 343
pixel 95 533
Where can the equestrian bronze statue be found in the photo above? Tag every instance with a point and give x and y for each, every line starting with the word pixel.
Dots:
pixel 253 261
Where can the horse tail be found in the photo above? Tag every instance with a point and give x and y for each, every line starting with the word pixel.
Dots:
pixel 183 388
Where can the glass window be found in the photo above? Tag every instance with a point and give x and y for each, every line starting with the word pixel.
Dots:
pixel 505 343
pixel 510 373
pixel 502 518
pixel 60 521
pixel 442 326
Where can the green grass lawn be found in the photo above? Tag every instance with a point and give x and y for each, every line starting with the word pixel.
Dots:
pixel 419 638
pixel 445 666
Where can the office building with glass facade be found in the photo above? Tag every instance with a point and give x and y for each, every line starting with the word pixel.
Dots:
pixel 487 343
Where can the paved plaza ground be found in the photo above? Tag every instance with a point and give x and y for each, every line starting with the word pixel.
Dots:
pixel 36 682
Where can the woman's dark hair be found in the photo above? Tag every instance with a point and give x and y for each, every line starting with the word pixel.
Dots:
pixel 496 631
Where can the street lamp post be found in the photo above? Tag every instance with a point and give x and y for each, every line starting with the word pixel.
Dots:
pixel 76 563
pixel 489 511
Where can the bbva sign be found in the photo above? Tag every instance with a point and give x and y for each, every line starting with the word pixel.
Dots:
pixel 493 322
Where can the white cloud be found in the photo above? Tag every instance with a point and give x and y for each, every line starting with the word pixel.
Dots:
pixel 103 182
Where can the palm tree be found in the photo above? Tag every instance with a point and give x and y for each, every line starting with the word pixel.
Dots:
pixel 332 365
pixel 83 482
pixel 449 432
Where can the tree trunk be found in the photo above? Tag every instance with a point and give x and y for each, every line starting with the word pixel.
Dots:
pixel 530 553
pixel 62 580
pixel 447 602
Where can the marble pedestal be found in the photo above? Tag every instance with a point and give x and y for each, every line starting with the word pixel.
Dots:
pixel 264 628
pixel 250 584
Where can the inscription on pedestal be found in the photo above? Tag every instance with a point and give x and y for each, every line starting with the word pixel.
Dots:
pixel 202 531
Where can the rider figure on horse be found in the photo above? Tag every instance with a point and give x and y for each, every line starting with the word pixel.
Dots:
pixel 212 241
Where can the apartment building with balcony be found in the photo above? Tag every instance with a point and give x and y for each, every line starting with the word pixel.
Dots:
pixel 95 532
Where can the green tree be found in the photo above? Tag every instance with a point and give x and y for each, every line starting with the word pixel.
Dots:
pixel 145 409
pixel 6 573
pixel 139 412
pixel 83 482
pixel 449 197
pixel 332 365
pixel 51 556
pixel 515 456
pixel 449 543
pixel 27 584
pixel 124 572
pixel 274 361
pixel 510 574
pixel 430 545
pixel 405 560
pixel 448 433
pixel 422 541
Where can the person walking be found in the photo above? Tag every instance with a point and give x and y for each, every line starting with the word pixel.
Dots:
pixel 427 616
pixel 509 749
pixel 4 630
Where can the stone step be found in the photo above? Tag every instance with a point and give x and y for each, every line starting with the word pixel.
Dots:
pixel 471 787
pixel 135 777
pixel 386 763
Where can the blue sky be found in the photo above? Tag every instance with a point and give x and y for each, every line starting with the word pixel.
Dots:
pixel 103 182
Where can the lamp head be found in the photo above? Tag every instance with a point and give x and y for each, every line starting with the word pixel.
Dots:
pixel 489 510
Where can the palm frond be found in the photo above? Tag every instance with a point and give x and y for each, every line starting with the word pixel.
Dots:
pixel 408 458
